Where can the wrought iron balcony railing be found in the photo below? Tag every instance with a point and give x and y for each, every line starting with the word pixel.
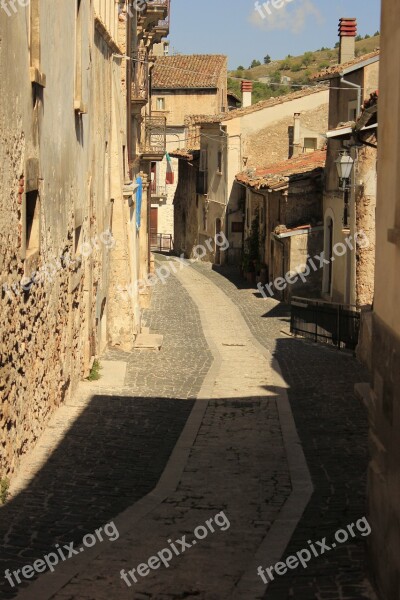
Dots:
pixel 140 77
pixel 158 191
pixel 153 137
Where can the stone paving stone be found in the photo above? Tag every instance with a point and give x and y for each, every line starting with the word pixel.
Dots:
pixel 237 465
pixel 332 425
pixel 114 453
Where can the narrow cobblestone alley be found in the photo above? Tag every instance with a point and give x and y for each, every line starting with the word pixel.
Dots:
pixel 232 415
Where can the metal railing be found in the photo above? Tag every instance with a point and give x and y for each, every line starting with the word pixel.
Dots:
pixel 158 190
pixel 330 323
pixel 161 242
pixel 154 135
pixel 140 77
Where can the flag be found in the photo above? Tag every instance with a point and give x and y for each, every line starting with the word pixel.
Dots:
pixel 169 178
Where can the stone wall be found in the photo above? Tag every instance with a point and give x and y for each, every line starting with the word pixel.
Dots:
pixel 275 143
pixel 365 221
pixel 186 212
pixel 383 400
pixel 65 163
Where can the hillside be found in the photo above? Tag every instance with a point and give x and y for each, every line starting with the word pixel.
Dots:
pixel 299 69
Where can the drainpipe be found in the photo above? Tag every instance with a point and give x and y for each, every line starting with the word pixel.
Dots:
pixel 358 87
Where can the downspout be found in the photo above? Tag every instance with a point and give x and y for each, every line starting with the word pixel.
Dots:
pixel 358 87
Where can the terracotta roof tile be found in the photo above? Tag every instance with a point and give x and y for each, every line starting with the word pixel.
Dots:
pixel 278 174
pixel 239 112
pixel 194 71
pixel 334 71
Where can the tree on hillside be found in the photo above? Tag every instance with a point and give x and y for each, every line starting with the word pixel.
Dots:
pixel 267 59
pixel 276 77
pixel 285 65
pixel 240 68
pixel 307 58
pixel 255 63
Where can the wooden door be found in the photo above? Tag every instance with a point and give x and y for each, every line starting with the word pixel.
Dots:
pixel 154 228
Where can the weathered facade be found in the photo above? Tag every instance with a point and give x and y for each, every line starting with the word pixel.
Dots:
pixel 383 398
pixel 182 85
pixel 200 208
pixel 286 199
pixel 264 133
pixel 67 250
pixel 350 280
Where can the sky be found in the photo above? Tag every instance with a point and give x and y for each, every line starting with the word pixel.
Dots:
pixel 235 28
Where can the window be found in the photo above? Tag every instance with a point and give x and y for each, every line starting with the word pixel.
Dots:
pixel 160 103
pixel 202 183
pixel 203 160
pixel 202 176
pixel 310 144
pixel 220 165
pixel 237 227
pixel 78 241
pixel 352 110
pixel 32 229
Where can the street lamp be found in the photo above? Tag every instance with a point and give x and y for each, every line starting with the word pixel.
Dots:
pixel 344 165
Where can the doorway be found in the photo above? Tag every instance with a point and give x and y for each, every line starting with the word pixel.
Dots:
pixel 154 228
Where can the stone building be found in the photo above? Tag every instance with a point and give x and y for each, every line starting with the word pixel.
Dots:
pixel 383 397
pixel 261 134
pixel 349 279
pixel 67 188
pixel 285 199
pixel 200 198
pixel 182 85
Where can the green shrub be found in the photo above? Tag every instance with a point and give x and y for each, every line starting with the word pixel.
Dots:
pixel 94 374
pixel 4 487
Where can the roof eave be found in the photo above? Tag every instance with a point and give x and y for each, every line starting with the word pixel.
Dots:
pixel 348 70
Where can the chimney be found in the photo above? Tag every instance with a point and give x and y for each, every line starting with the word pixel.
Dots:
pixel 347 34
pixel 247 89
pixel 296 135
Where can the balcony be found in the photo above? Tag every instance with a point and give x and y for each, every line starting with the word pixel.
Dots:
pixel 154 12
pixel 158 191
pixel 140 78
pixel 161 30
pixel 154 138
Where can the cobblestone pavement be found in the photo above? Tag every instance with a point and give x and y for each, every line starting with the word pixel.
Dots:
pixel 116 446
pixel 332 425
pixel 105 450
pixel 237 465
